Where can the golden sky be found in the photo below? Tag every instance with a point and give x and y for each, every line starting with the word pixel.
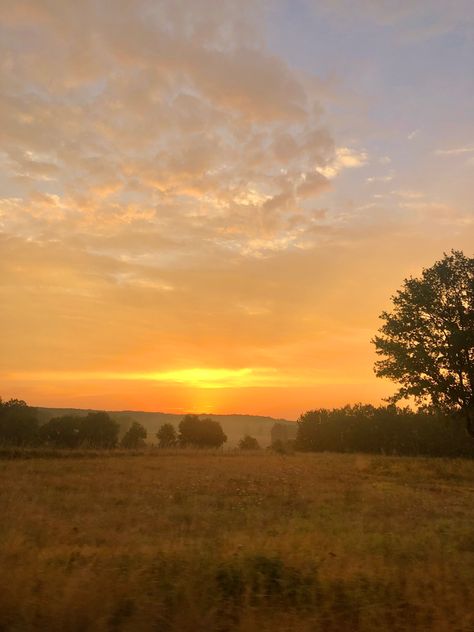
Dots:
pixel 204 206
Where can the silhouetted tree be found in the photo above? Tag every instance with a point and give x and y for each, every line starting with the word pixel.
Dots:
pixel 427 342
pixel 134 437
pixel 167 437
pixel 18 423
pixel 98 430
pixel 62 432
pixel 201 432
pixel 249 443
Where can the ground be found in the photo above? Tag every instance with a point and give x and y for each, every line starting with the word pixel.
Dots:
pixel 200 542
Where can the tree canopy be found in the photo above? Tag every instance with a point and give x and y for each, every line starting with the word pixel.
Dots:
pixel 426 343
pixel 167 437
pixel 98 430
pixel 62 432
pixel 18 423
pixel 134 437
pixel 384 430
pixel 201 432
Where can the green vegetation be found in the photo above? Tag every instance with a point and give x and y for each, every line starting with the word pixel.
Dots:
pixel 135 437
pixel 249 443
pixel 359 428
pixel 383 430
pixel 61 432
pixel 167 437
pixel 196 542
pixel 19 426
pixel 18 423
pixel 427 342
pixel 233 426
pixel 200 433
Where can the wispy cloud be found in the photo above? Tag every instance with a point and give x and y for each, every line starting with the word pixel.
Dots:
pixel 413 134
pixel 408 194
pixel 384 178
pixel 456 151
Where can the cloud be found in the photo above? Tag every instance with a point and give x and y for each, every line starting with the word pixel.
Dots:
pixel 440 212
pixel 385 178
pixel 413 134
pixel 170 118
pixel 457 151
pixel 414 19
pixel 345 158
pixel 408 194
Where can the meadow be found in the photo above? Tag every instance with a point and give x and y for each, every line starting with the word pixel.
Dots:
pixel 196 541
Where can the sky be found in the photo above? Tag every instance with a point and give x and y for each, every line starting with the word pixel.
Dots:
pixel 205 205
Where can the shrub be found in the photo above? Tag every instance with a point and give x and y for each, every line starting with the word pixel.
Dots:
pixel 249 443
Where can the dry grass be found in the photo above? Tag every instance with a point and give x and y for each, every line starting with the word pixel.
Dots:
pixel 196 542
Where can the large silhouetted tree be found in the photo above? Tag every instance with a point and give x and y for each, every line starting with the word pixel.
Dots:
pixel 426 343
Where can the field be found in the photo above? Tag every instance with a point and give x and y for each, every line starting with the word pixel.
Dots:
pixel 201 542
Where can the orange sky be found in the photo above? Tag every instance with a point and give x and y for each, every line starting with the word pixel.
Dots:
pixel 205 207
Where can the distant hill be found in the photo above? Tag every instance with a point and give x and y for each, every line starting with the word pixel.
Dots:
pixel 234 426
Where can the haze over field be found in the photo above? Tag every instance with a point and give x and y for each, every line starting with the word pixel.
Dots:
pixel 234 426
pixel 205 206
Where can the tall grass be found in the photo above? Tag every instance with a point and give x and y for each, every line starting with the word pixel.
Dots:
pixel 205 542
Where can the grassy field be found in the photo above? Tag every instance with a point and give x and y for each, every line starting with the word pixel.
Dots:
pixel 202 542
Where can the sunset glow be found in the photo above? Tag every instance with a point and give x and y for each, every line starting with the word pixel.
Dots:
pixel 206 206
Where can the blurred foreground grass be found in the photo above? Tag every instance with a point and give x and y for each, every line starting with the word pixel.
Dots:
pixel 201 542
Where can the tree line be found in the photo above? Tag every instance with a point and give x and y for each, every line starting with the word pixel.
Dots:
pixel 19 426
pixel 383 430
pixel 359 428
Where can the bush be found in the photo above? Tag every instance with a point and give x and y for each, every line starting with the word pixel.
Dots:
pixel 249 443
pixel 283 447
